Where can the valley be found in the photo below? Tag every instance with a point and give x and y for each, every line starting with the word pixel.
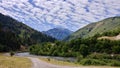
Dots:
pixel 97 45
pixel 98 49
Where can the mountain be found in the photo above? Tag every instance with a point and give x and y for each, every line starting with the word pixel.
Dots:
pixel 14 33
pixel 96 28
pixel 58 33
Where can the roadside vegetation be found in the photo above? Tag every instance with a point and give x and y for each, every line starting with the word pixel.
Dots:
pixel 58 62
pixel 71 64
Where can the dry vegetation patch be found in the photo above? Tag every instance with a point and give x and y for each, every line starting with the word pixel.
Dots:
pixel 14 62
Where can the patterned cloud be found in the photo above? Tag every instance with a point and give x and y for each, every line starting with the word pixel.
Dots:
pixel 47 14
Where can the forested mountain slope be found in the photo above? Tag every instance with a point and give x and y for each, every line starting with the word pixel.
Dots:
pixel 14 33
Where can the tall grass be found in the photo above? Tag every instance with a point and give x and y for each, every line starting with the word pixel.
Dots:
pixel 14 62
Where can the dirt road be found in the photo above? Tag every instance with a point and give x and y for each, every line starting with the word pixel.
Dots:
pixel 37 63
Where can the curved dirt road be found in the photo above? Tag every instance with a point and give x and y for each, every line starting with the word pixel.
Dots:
pixel 40 64
pixel 37 63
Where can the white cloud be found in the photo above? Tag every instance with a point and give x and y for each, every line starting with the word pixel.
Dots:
pixel 71 14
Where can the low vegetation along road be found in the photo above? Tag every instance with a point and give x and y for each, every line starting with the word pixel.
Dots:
pixel 37 63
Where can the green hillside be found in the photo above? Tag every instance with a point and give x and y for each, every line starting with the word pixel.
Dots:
pixel 97 27
pixel 14 33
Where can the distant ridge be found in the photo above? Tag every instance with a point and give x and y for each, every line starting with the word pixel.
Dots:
pixel 97 27
pixel 58 33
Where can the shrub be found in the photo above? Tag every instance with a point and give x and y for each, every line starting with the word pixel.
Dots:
pixel 12 53
pixel 104 57
pixel 92 62
pixel 115 63
pixel 99 56
pixel 48 59
pixel 79 58
pixel 117 57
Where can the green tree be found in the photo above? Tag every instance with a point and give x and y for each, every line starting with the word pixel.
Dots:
pixel 116 49
pixel 84 50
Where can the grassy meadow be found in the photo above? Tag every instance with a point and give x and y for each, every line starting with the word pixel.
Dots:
pixel 14 62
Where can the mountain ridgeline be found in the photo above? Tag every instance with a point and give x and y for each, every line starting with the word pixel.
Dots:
pixel 96 28
pixel 58 33
pixel 14 33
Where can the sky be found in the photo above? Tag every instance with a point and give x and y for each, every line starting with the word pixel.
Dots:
pixel 43 15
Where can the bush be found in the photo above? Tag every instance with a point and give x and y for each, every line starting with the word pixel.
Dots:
pixel 99 56
pixel 92 62
pixel 117 57
pixel 48 59
pixel 79 58
pixel 112 62
pixel 12 53
pixel 104 56
pixel 107 62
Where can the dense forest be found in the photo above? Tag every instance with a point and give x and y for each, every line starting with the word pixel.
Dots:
pixel 13 34
pixel 87 51
pixel 13 43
